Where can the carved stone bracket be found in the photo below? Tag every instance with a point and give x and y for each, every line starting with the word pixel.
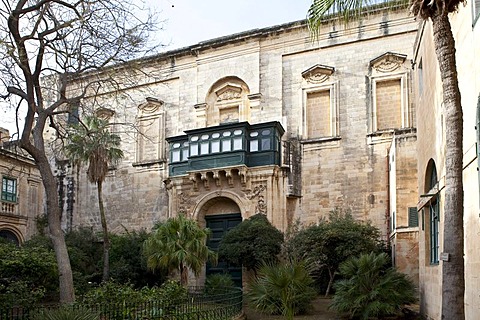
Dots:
pixel 193 178
pixel 229 176
pixel 243 176
pixel 205 179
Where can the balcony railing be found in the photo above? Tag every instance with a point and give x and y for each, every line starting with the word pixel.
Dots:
pixel 9 208
pixel 225 145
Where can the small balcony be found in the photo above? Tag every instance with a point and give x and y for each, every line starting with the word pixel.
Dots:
pixel 225 145
pixel 9 208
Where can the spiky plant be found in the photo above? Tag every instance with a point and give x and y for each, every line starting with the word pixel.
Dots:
pixel 67 313
pixel 284 289
pixel 179 244
pixel 370 289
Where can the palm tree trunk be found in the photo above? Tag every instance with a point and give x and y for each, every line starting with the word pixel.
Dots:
pixel 183 275
pixel 106 241
pixel 453 280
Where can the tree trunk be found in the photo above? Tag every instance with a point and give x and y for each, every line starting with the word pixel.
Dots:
pixel 106 241
pixel 330 281
pixel 183 275
pixel 54 216
pixel 453 279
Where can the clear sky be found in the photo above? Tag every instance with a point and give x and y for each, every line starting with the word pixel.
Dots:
pixel 187 22
pixel 191 21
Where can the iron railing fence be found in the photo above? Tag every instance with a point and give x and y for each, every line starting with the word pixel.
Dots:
pixel 223 304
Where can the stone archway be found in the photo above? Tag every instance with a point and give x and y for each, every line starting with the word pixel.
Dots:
pixel 220 214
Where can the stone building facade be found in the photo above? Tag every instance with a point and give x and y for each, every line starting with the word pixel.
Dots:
pixel 22 192
pixel 267 121
pixel 432 164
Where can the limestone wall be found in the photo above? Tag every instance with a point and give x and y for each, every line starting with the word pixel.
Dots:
pixel 267 75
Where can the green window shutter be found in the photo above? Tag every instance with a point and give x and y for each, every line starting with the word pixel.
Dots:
pixel 412 217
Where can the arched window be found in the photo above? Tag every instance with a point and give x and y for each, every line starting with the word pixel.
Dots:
pixel 434 211
pixel 9 236
pixel 227 102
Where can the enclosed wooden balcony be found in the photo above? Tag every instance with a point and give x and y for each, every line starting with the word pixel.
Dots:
pixel 225 146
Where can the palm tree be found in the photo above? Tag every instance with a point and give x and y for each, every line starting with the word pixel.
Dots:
pixel 179 244
pixel 453 281
pixel 91 142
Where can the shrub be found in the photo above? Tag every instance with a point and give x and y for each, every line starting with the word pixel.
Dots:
pixel 330 242
pixel 27 274
pixel 66 313
pixel 127 262
pixel 251 243
pixel 282 289
pixel 216 283
pixel 111 293
pixel 371 289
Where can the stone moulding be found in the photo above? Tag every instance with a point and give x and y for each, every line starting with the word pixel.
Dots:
pixel 388 62
pixel 318 73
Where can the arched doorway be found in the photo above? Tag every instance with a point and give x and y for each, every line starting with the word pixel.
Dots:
pixel 9 236
pixel 221 215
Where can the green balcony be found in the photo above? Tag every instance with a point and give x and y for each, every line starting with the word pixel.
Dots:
pixel 224 146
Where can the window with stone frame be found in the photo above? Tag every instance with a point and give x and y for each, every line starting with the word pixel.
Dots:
pixel 433 213
pixel 150 125
pixel 320 101
pixel 389 93
pixel 9 189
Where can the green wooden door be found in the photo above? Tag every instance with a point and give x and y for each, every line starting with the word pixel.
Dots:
pixel 219 225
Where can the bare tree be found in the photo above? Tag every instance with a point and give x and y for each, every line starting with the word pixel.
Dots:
pixel 44 44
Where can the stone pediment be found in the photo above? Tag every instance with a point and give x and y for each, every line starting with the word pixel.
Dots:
pixel 318 73
pixel 104 113
pixel 388 62
pixel 229 92
pixel 151 106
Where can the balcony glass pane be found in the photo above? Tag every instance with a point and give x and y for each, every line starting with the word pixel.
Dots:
pixel 254 134
pixel 204 147
pixel 205 137
pixel 175 155
pixel 215 135
pixel 237 132
pixel 226 145
pixel 176 145
pixel 194 149
pixel 185 154
pixel 237 143
pixel 253 145
pixel 266 132
pixel 266 144
pixel 215 146
pixel 194 138
pixel 227 134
